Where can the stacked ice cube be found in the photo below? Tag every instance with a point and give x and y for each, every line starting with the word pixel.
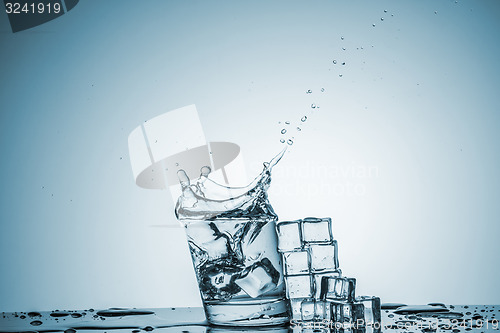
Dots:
pixel 314 282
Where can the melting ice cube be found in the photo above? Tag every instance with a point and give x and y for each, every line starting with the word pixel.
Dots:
pixel 259 278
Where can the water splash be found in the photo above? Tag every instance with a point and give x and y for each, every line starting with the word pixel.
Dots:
pixel 208 200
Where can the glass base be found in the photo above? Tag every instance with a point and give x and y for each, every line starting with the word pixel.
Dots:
pixel 248 312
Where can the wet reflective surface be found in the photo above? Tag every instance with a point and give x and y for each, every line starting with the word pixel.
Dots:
pixel 396 317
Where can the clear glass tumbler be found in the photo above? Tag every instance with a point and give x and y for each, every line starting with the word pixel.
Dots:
pixel 239 271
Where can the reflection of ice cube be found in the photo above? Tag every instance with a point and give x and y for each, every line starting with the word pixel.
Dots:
pixel 317 277
pixel 289 236
pixel 259 278
pixel 324 257
pixel 315 230
pixel 298 286
pixel 296 262
pixel 338 288
pixel 368 308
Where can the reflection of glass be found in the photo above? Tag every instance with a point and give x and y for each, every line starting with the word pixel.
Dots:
pixel 247 330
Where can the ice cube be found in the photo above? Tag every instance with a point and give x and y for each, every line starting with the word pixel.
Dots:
pixel 259 278
pixel 289 236
pixel 317 277
pixel 314 309
pixel 217 278
pixel 336 288
pixel 367 308
pixel 201 232
pixel 363 312
pixel 342 312
pixel 315 230
pixel 298 286
pixel 324 257
pixel 295 308
pixel 217 248
pixel 296 262
pixel 307 309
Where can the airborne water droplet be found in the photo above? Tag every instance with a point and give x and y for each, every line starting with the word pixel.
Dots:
pixel 342 37
pixel 308 91
pixel 335 62
pixel 385 10
pixel 322 89
pixel 290 142
pixel 299 129
pixel 343 64
pixel 36 323
pixel 205 171
pixel 282 140
pixel 176 164
pixel 283 131
pixel 340 75
pixel 381 19
pixel 313 106
pixel 303 119
pixel 287 122
pixel 373 24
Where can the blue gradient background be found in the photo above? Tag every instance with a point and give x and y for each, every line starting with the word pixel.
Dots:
pixel 419 103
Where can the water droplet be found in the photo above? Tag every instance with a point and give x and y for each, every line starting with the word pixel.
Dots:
pixel 381 19
pixel 36 323
pixel 148 328
pixel 22 317
pixel 340 75
pixel 287 122
pixel 373 24
pixel 34 314
pixel 343 49
pixel 76 315
pixel 322 89
pixel 335 62
pixel 121 158
pixel 299 129
pixel 176 164
pixel 385 10
pixel 308 91
pixel 303 119
pixel 343 64
pixel 435 12
pixel 290 142
pixel 70 330
pixel 313 106
pixel 205 171
pixel 283 131
pixel 342 37
pixel 282 140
